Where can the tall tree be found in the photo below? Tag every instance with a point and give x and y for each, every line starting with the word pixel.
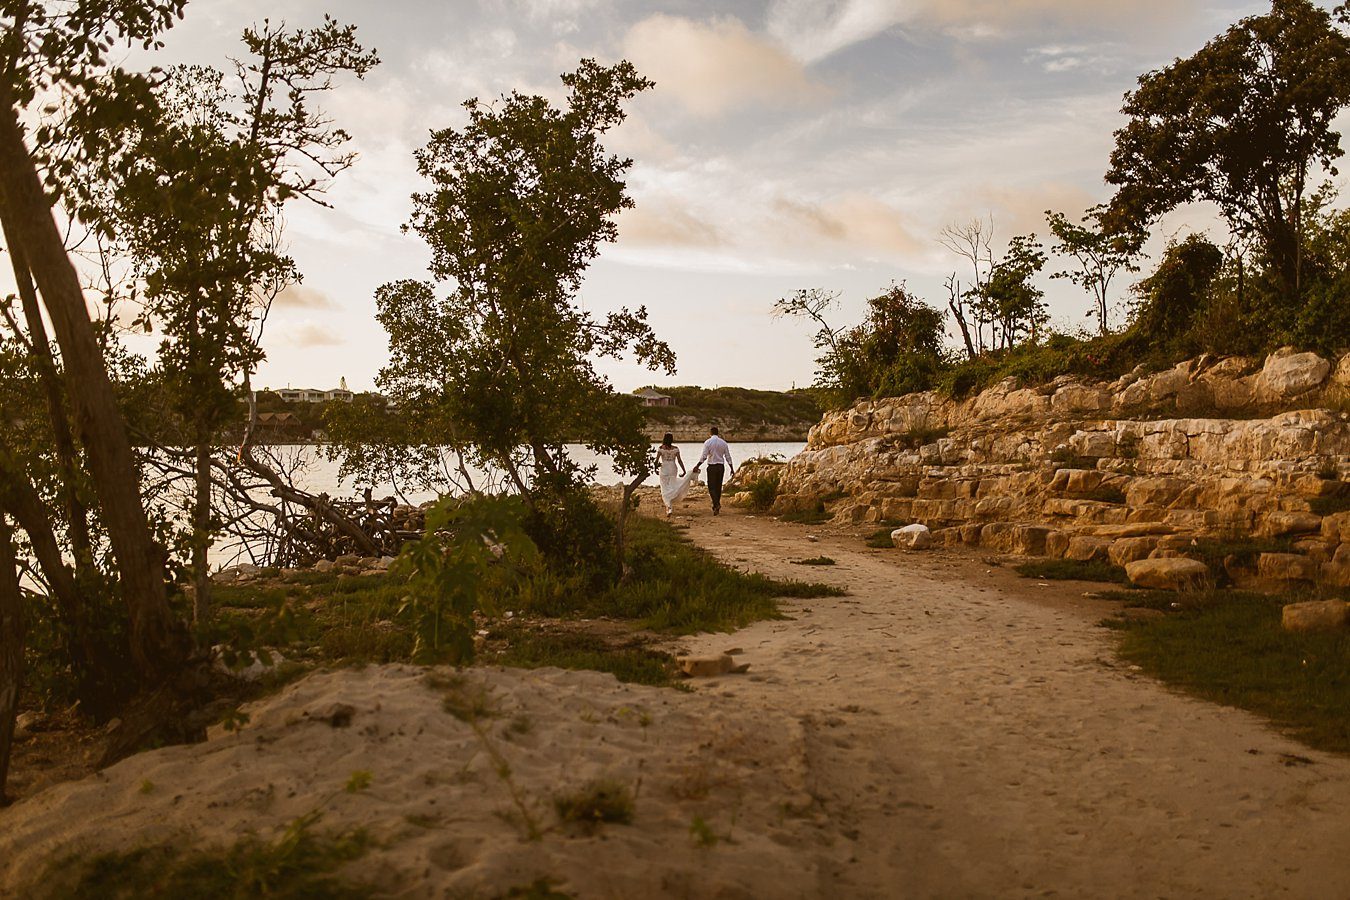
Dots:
pixel 1100 256
pixel 198 201
pixel 61 49
pixel 1244 123
pixel 521 200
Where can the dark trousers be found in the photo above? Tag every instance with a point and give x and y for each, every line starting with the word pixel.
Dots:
pixel 715 474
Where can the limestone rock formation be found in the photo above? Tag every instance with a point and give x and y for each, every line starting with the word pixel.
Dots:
pixel 1168 573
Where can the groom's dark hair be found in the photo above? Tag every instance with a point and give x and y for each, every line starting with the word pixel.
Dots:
pixel 712 430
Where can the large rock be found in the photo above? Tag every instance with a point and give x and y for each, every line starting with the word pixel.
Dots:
pixel 1280 524
pixel 1286 567
pixel 1172 574
pixel 912 537
pixel 1316 615
pixel 1288 374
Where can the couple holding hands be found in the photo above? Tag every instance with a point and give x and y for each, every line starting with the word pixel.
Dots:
pixel 675 485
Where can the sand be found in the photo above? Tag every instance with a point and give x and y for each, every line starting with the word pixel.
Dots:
pixel 944 731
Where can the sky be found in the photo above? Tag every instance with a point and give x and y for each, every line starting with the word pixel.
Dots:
pixel 787 144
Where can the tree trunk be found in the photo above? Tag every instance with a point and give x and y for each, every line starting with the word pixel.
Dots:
pixel 201 534
pixel 11 648
pixel 77 515
pixel 621 533
pixel 159 644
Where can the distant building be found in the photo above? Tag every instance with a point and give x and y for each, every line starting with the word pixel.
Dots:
pixel 314 395
pixel 652 397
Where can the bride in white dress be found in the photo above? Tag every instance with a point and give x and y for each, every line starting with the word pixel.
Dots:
pixel 673 486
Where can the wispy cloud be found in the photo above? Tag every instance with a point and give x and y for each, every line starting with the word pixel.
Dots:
pixel 312 334
pixel 298 296
pixel 719 66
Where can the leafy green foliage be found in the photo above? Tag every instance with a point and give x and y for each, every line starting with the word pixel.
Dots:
pixel 734 404
pixel 520 201
pixel 1244 123
pixel 1100 256
pixel 448 568
pixel 763 491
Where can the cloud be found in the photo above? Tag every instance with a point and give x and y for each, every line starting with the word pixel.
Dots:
pixel 716 67
pixel 297 296
pixel 666 222
pixel 313 334
pixel 854 220
pixel 812 29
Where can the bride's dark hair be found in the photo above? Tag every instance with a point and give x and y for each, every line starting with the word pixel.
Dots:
pixel 668 440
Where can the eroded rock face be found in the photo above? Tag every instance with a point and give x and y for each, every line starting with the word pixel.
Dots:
pixel 1076 468
pixel 1287 374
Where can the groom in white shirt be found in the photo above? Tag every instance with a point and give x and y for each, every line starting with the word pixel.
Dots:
pixel 718 456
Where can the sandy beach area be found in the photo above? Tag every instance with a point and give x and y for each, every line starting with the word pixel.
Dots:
pixel 945 730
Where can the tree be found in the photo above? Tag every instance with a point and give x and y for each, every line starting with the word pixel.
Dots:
pixel 1100 256
pixel 972 242
pixel 1244 123
pixel 198 200
pixel 522 198
pixel 1009 299
pixel 58 49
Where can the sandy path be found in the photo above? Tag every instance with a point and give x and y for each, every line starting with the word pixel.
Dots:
pixel 965 738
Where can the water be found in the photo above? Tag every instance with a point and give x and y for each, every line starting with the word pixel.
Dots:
pixel 319 475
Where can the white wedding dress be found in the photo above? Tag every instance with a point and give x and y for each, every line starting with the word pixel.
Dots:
pixel 673 485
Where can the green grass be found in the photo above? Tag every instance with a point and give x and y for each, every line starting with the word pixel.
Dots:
pixel 763 491
pixel 817 516
pixel 1228 647
pixel 298 864
pixel 631 662
pixel 815 561
pixel 1072 570
pixel 880 539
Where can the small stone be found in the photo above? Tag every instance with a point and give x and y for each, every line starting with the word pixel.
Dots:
pixel 324 565
pixel 1316 615
pixel 348 559
pixel 710 666
pixel 24 724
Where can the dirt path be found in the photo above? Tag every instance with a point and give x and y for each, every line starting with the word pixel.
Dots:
pixel 968 733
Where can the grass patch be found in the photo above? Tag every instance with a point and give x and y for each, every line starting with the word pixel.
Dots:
pixel 815 561
pixel 673 586
pixel 817 516
pixel 1072 570
pixel 632 662
pixel 880 539
pixel 299 863
pixel 600 802
pixel 1228 647
pixel 763 491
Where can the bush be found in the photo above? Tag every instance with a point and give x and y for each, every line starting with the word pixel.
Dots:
pixel 763 491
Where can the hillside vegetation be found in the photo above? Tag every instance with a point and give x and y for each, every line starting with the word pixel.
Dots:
pixel 734 404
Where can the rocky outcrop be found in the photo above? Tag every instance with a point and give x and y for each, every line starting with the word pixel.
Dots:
pixel 1141 467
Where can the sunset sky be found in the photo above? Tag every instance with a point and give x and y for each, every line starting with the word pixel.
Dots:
pixel 788 144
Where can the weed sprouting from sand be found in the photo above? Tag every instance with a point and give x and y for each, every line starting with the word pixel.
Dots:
pixel 815 561
pixel 880 539
pixel 603 801
pixel 147 787
pixel 298 863
pixel 359 781
pixel 702 833
pixel 471 707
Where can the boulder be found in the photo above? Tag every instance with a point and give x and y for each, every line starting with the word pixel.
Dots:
pixel 1171 574
pixel 1279 524
pixel 1316 615
pixel 1288 374
pixel 1086 547
pixel 349 560
pixel 324 565
pixel 1336 527
pixel 1286 567
pixel 912 537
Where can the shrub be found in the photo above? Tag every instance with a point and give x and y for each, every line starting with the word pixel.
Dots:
pixel 763 491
